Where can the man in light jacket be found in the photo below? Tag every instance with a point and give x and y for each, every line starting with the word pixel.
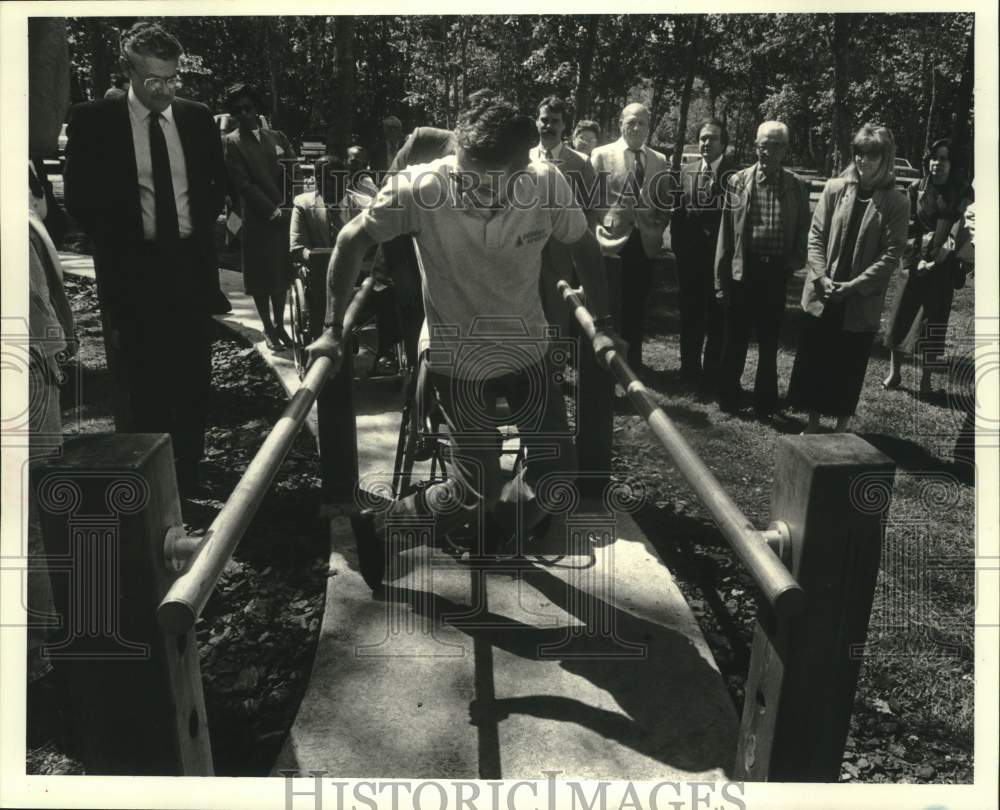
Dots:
pixel 631 212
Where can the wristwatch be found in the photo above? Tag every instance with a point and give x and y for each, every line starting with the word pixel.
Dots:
pixel 604 323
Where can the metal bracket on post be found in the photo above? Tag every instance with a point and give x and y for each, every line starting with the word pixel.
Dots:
pixel 178 547
pixel 779 540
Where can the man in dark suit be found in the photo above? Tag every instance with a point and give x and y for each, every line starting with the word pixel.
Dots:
pixel 694 231
pixel 763 239
pixel 145 178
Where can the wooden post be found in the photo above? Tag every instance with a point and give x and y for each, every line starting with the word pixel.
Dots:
pixel 106 505
pixel 595 400
pixel 594 421
pixel 337 435
pixel 833 493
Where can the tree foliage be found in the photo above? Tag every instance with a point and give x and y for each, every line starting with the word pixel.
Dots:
pixel 823 74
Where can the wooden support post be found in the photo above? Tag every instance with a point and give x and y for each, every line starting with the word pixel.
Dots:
pixel 106 505
pixel 833 493
pixel 337 435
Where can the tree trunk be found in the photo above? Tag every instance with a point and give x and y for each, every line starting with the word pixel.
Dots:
pixel 692 65
pixel 102 59
pixel 926 92
pixel 339 134
pixel 961 132
pixel 839 43
pixel 582 95
pixel 930 133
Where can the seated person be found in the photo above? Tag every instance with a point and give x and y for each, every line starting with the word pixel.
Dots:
pixel 317 217
pixel 480 251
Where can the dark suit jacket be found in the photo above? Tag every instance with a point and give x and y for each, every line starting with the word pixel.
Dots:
pixel 694 224
pixel 102 193
pixel 261 182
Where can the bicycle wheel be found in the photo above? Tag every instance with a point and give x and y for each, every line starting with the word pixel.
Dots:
pixel 300 326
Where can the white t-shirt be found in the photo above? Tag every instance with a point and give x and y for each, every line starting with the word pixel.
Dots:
pixel 479 267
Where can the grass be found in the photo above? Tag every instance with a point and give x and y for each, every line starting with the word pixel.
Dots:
pixel 920 658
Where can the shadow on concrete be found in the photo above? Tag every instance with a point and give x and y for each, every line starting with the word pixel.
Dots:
pixel 666 715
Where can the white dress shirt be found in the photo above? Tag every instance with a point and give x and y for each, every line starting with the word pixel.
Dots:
pixel 139 115
pixel 712 167
pixel 538 152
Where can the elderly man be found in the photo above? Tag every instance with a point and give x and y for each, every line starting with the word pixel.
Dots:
pixel 557 264
pixel 694 232
pixel 145 178
pixel 632 190
pixel 480 257
pixel 762 241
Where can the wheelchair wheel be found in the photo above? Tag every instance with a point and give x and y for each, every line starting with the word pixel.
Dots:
pixel 300 326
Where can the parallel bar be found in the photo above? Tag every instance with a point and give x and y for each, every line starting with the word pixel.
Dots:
pixel 777 584
pixel 186 598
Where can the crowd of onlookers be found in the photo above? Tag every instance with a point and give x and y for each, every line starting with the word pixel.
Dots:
pixel 147 176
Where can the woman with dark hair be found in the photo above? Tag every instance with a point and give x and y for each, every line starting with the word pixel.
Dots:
pixel 922 307
pixel 856 241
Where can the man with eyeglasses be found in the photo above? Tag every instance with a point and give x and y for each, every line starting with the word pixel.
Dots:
pixel 762 241
pixel 145 178
pixel 631 212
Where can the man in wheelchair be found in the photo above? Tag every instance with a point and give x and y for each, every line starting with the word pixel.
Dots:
pixel 479 220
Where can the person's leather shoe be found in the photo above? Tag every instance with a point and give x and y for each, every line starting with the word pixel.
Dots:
pixel 283 338
pixel 271 340
pixel 371 549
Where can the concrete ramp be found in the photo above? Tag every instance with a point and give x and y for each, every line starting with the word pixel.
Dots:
pixel 581 657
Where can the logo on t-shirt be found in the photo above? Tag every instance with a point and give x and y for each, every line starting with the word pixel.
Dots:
pixel 529 238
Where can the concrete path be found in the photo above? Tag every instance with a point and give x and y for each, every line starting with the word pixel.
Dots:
pixel 582 657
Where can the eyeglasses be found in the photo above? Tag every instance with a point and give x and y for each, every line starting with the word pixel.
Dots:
pixel 154 84
pixel 158 84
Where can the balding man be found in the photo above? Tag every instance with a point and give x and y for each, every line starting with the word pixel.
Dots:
pixel 632 187
pixel 762 241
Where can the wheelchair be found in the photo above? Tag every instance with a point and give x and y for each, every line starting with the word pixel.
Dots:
pixel 424 454
pixel 307 305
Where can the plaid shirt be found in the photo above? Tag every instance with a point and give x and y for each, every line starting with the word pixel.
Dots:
pixel 765 226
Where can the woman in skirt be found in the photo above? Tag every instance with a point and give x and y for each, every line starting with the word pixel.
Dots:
pixel 922 307
pixel 856 241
